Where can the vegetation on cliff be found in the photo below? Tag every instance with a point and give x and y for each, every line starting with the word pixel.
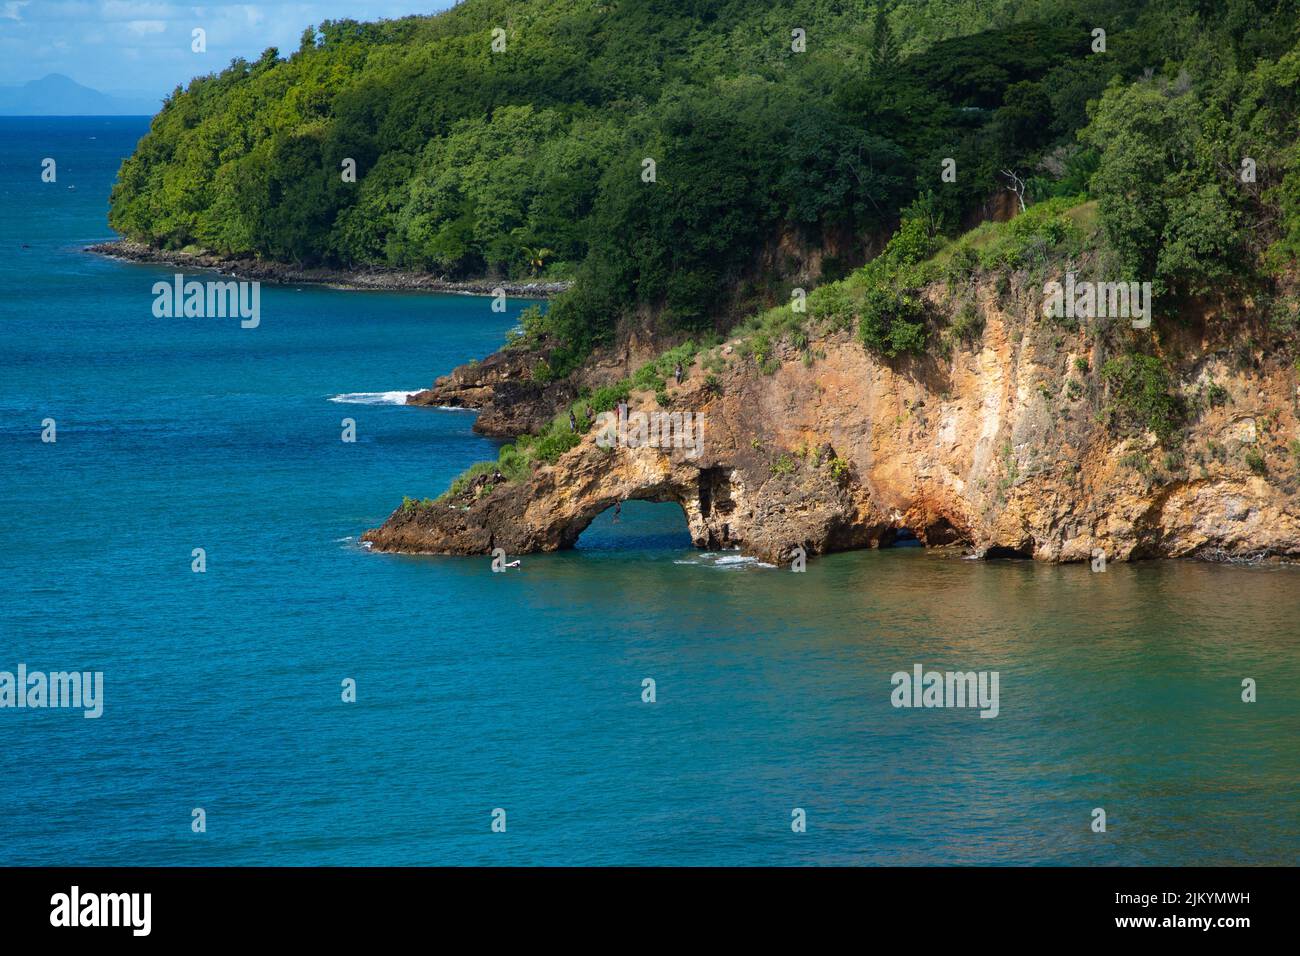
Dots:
pixel 531 160
pixel 1163 151
pixel 922 301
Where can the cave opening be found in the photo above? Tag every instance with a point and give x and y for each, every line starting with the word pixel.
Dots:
pixel 900 538
pixel 637 525
pixel 1003 552
pixel 940 531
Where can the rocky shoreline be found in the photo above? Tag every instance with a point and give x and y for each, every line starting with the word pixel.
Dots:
pixel 373 278
pixel 1002 450
pixel 511 403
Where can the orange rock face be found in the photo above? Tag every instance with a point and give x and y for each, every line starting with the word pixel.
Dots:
pixel 1004 446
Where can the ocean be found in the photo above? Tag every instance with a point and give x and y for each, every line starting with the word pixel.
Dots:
pixel 523 692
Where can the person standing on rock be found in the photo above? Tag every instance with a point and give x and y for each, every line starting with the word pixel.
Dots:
pixel 679 373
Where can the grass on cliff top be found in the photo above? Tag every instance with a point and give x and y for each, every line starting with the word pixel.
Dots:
pixel 882 301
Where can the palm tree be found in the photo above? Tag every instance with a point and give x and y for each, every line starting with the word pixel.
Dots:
pixel 537 257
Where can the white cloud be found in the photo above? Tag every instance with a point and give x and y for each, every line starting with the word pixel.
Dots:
pixel 134 10
pixel 143 27
pixel 145 44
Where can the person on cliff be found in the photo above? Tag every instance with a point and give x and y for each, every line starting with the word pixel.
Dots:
pixel 679 373
pixel 573 421
pixel 591 416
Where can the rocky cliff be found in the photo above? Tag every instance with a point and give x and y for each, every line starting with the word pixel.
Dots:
pixel 1005 446
pixel 510 402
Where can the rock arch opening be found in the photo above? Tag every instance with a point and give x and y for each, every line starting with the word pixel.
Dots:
pixel 935 531
pixel 1003 552
pixel 900 538
pixel 636 525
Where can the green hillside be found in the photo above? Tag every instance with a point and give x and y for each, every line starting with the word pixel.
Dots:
pixel 531 160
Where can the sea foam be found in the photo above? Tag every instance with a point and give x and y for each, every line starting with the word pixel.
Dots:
pixel 714 559
pixel 374 398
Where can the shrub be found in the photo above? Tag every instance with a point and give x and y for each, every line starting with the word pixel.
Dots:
pixel 653 375
pixel 1027 239
pixel 962 264
pixel 554 444
pixel 461 484
pixel 968 326
pixel 892 322
pixel 1143 393
pixel 783 465
pixel 606 398
pixel 833 305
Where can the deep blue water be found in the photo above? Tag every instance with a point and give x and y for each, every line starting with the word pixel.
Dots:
pixel 523 690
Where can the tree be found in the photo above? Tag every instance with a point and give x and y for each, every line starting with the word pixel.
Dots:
pixel 884 48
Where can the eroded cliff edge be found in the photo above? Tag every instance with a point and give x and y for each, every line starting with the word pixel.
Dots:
pixel 1009 445
pixel 509 400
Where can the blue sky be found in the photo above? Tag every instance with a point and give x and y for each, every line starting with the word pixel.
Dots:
pixel 144 45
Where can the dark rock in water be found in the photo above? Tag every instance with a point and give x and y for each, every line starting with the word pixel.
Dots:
pixel 377 278
pixel 511 402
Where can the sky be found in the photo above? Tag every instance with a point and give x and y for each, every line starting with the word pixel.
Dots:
pixel 143 46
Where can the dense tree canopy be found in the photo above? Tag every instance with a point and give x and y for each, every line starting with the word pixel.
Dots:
pixel 532 160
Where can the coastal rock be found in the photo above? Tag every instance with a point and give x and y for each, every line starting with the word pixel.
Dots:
pixel 502 388
pixel 991 450
pixel 374 278
pixel 510 400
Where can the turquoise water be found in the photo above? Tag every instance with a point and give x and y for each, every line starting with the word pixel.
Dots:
pixel 523 690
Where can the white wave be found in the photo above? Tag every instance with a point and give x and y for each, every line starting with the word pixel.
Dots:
pixel 374 398
pixel 716 559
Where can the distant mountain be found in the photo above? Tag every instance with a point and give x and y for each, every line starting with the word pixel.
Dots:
pixel 57 95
